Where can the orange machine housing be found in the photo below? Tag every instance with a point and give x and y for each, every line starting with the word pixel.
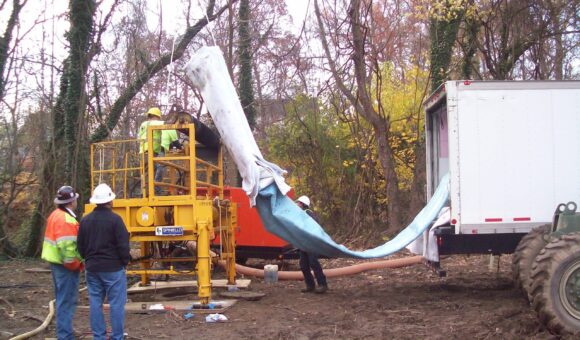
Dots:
pixel 252 239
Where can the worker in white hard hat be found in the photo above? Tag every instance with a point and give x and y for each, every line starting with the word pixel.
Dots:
pixel 308 261
pixel 103 242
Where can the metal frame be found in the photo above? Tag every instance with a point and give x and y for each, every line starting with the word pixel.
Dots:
pixel 200 209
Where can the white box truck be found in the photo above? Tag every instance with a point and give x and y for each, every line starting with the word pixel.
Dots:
pixel 512 149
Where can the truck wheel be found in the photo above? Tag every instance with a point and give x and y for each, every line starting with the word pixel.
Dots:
pixel 524 255
pixel 556 285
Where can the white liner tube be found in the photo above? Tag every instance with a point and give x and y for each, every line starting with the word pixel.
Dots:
pixel 208 71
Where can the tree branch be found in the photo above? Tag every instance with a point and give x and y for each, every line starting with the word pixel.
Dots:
pixel 152 69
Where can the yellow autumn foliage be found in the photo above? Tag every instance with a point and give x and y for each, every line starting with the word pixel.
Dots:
pixel 401 96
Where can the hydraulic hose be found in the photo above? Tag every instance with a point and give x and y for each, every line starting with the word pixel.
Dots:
pixel 334 272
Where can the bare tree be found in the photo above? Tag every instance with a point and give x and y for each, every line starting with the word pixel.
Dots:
pixel 152 68
pixel 359 97
pixel 11 184
pixel 6 39
pixel 536 34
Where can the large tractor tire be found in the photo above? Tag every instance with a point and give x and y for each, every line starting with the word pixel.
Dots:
pixel 524 256
pixel 556 285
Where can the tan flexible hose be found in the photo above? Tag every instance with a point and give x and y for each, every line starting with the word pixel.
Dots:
pixel 335 272
pixel 41 327
pixel 44 324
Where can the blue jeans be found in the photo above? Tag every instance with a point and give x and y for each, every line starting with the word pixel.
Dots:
pixel 159 173
pixel 309 261
pixel 113 285
pixel 66 291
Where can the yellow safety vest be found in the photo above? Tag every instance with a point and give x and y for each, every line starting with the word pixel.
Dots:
pixel 167 137
pixel 143 147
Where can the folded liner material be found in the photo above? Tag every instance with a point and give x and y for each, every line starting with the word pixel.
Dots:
pixel 282 217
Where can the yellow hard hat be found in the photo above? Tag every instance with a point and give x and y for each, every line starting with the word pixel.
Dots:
pixel 154 111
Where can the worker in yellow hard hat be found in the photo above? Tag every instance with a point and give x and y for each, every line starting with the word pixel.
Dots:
pixel 153 118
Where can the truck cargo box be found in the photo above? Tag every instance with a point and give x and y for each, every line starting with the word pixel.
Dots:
pixel 512 149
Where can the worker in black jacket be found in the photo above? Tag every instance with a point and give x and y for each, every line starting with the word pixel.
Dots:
pixel 103 242
pixel 308 261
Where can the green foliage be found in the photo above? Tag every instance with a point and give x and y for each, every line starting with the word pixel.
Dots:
pixel 317 150
pixel 445 18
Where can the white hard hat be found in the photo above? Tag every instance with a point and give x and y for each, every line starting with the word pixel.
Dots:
pixel 102 194
pixel 304 200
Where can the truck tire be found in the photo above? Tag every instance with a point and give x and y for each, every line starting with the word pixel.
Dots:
pixel 524 256
pixel 556 285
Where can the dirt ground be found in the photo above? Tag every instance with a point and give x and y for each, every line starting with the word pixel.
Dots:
pixel 407 303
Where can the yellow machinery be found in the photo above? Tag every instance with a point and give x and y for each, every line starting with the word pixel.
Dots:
pixel 180 212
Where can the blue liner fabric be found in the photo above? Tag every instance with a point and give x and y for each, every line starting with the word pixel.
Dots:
pixel 283 218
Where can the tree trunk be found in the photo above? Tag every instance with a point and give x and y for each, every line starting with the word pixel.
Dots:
pixel 79 36
pixel 363 105
pixel 381 125
pixel 559 46
pixel 5 245
pixel 245 87
pixel 443 34
pixel 418 193
pixel 62 155
pixel 471 30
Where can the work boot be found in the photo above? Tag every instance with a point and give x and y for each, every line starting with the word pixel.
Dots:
pixel 321 289
pixel 308 289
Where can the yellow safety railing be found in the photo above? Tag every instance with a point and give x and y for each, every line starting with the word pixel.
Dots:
pixel 119 164
pixel 105 157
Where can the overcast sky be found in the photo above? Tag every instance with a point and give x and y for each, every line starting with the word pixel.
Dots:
pixel 38 11
pixel 296 8
pixel 35 11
